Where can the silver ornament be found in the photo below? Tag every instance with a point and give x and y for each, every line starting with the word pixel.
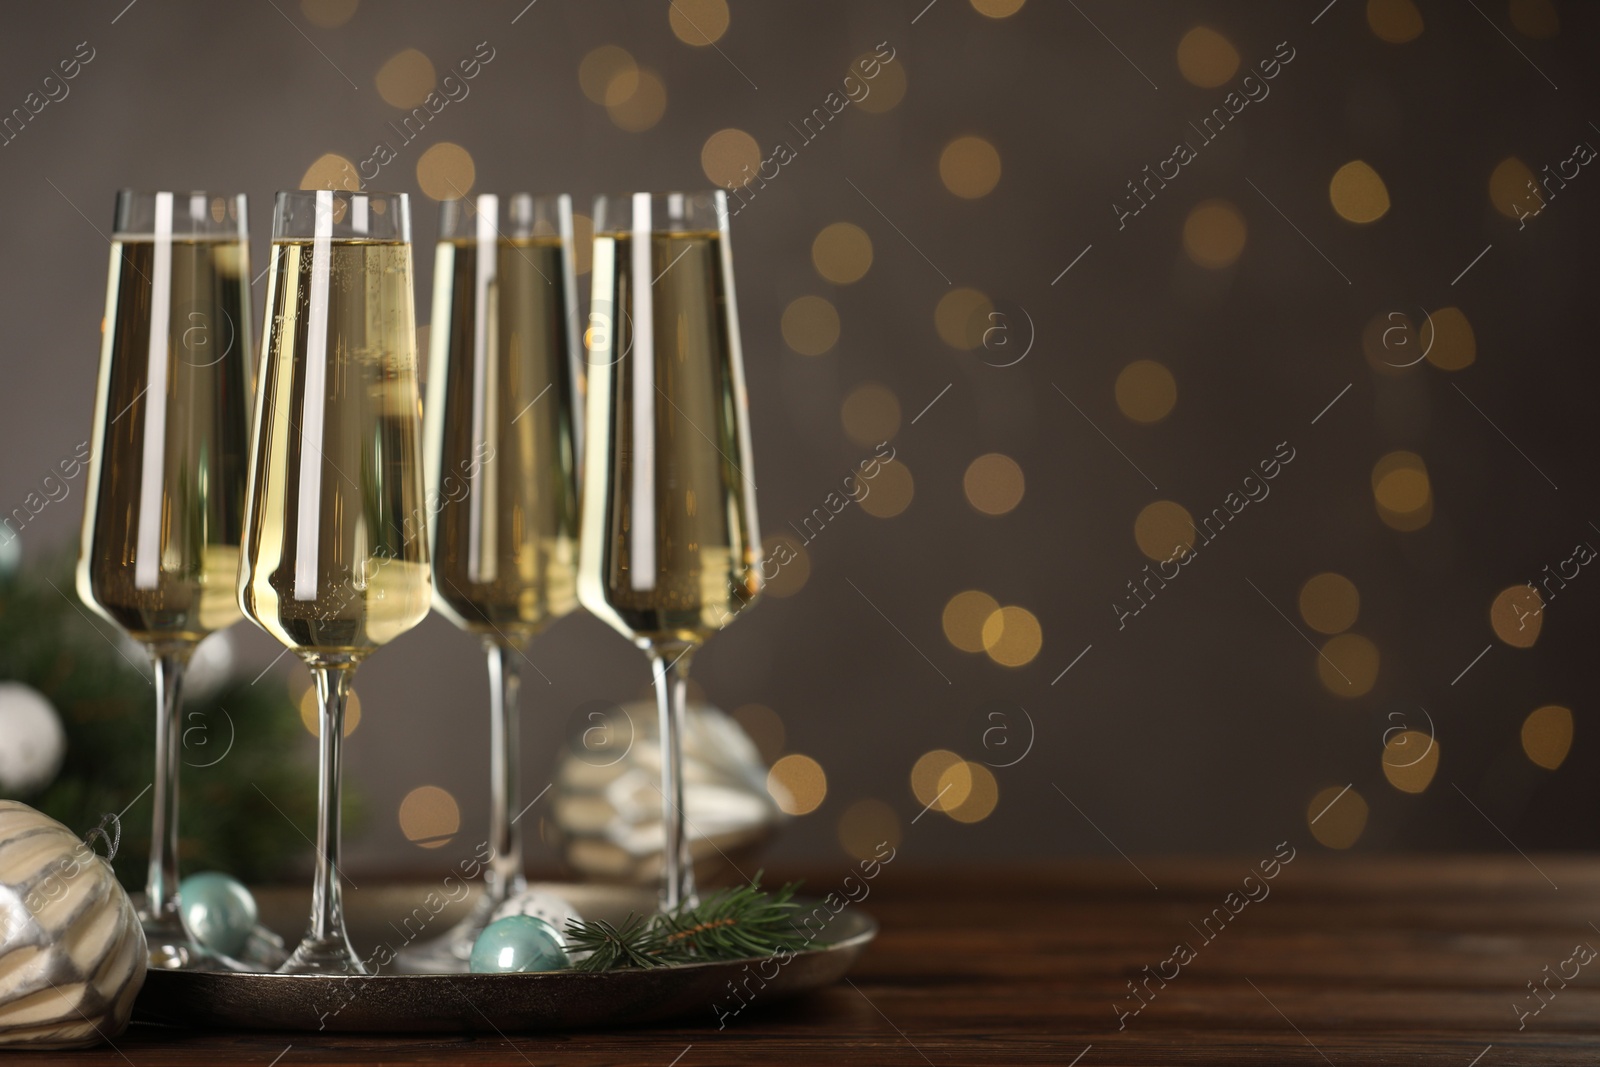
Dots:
pixel 72 952
pixel 607 807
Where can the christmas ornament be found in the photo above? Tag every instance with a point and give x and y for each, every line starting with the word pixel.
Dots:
pixel 518 944
pixel 218 911
pixel 607 809
pixel 72 953
pixel 32 741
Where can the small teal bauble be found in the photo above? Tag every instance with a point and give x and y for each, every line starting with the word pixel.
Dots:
pixel 519 943
pixel 218 911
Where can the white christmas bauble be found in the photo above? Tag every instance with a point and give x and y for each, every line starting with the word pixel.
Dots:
pixel 541 904
pixel 607 810
pixel 72 952
pixel 32 742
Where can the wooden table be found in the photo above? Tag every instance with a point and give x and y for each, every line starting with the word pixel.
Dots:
pixel 1345 960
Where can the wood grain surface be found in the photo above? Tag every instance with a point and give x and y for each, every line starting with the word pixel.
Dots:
pixel 1345 960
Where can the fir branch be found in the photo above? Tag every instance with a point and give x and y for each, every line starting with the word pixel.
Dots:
pixel 741 923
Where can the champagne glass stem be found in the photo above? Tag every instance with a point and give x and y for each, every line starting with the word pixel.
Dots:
pixel 161 884
pixel 672 690
pixel 326 948
pixel 504 876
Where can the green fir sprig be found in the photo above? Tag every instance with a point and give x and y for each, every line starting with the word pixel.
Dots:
pixel 735 924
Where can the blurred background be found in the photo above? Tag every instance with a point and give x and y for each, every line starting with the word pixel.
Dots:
pixel 1234 360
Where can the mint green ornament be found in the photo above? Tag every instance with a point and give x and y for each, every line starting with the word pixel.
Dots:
pixel 518 944
pixel 218 911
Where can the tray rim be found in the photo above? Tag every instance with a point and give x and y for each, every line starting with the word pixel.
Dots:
pixel 214 994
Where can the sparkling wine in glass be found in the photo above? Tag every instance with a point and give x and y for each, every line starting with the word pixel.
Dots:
pixel 669 538
pixel 161 530
pixel 335 552
pixel 502 444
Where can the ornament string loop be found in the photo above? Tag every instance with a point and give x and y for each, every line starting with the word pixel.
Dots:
pixel 113 840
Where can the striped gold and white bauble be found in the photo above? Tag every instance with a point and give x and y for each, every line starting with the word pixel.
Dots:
pixel 72 952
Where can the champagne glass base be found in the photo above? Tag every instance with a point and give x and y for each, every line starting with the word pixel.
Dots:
pixel 451 951
pixel 327 955
pixel 173 949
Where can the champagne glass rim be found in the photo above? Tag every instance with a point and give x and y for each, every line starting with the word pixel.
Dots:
pixel 310 195
pixel 194 215
pixel 705 210
pixel 129 191
pixel 696 195
pixel 356 215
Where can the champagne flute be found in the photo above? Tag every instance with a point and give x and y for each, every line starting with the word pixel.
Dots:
pixel 669 538
pixel 502 462
pixel 335 554
pixel 162 525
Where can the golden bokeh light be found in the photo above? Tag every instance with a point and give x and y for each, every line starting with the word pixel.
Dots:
pixel 1402 492
pixel 1403 489
pixel 605 67
pixel 698 22
pixel 1512 188
pixel 1547 735
pixel 405 79
pixel 730 157
pixel 964 618
pixel 865 826
pixel 1146 391
pixel 997 9
pixel 792 563
pixel 1517 615
pixel 328 14
pixel 1162 528
pixel 765 728
pixel 1329 603
pixel 1348 665
pixel 892 491
pixel 870 413
pixel 1206 58
pixel 962 318
pixel 797 784
pixel 1336 816
pixel 1454 346
pixel 1410 760
pixel 810 325
pixel 640 109
pixel 981 795
pixel 1214 234
pixel 1535 18
pixel 582 243
pixel 1012 636
pixel 331 171
pixel 940 780
pixel 446 171
pixel 311 717
pixel 842 253
pixel 1358 193
pixel 886 89
pixel 994 483
pixel 1395 21
pixel 969 167
pixel 429 816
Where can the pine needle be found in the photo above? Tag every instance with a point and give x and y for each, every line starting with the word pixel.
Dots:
pixel 741 923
